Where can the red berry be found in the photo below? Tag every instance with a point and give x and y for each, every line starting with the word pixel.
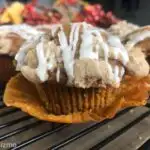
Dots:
pixel 94 13
pixel 90 18
pixel 97 18
pixel 98 6
pixel 102 13
pixel 109 14
pixel 71 2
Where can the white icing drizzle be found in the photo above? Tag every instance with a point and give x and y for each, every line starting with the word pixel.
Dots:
pixel 42 64
pixel 138 38
pixel 58 74
pixel 105 48
pixel 122 71
pixel 66 54
pixel 116 74
pixel 86 49
pixel 54 28
pixel 23 51
pixel 116 52
pixel 118 49
pixel 68 49
pixel 75 31
pixel 103 45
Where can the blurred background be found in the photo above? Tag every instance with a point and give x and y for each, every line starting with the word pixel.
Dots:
pixel 135 11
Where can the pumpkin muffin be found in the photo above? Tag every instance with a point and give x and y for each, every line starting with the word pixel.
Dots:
pixel 77 73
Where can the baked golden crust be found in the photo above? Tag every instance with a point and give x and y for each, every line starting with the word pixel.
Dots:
pixel 139 39
pixel 143 42
pixel 74 105
pixel 138 30
pixel 10 43
pixel 122 28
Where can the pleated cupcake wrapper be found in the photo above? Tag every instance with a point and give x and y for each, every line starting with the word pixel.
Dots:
pixel 64 100
pixel 7 69
pixel 73 105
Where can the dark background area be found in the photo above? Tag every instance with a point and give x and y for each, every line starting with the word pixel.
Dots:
pixel 135 11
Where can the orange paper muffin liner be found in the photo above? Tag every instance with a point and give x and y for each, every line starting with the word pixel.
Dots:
pixel 58 103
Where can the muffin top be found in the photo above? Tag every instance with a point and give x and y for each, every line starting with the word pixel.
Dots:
pixel 122 28
pixel 13 36
pixel 138 38
pixel 25 31
pixel 10 43
pixel 78 55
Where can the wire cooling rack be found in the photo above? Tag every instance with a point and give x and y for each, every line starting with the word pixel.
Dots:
pixel 129 130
